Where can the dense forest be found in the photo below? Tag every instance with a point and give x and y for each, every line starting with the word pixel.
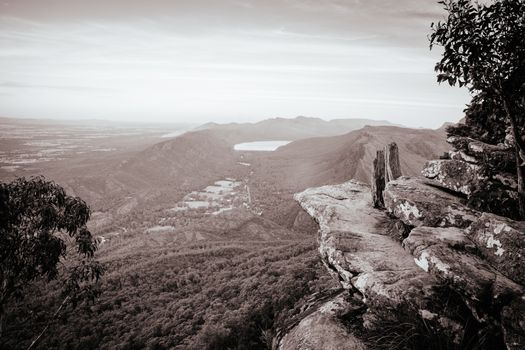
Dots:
pixel 203 297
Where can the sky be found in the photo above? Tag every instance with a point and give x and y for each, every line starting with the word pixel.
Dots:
pixel 196 61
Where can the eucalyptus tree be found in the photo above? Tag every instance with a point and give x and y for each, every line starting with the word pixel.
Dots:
pixel 484 50
pixel 43 236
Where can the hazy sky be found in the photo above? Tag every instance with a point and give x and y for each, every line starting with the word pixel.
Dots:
pixel 222 60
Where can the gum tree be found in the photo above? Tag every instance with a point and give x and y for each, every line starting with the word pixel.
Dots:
pixel 40 227
pixel 484 50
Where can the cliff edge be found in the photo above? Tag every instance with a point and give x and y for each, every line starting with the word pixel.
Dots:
pixel 428 271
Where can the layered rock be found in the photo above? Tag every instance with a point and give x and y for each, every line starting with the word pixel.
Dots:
pixel 353 242
pixel 455 175
pixel 478 255
pixel 323 329
pixel 417 204
pixel 484 173
pixel 448 254
pixel 482 152
pixel 448 246
pixel 501 242
pixel 355 245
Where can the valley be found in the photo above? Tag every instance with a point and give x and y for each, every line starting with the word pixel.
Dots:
pixel 192 230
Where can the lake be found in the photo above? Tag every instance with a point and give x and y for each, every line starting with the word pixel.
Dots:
pixel 267 146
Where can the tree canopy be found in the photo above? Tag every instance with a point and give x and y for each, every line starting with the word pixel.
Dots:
pixel 41 225
pixel 484 50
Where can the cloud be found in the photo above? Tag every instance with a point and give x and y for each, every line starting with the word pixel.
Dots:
pixel 14 85
pixel 219 59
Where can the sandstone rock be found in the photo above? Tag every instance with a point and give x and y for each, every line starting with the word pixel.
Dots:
pixel 462 156
pixel 458 176
pixel 417 204
pixel 448 254
pixel 392 165
pixel 501 242
pixel 323 330
pixel 354 244
pixel 474 147
pixel 499 156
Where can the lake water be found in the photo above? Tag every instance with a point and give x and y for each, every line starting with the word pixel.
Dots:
pixel 267 146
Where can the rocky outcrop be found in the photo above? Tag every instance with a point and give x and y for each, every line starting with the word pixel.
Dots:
pixel 448 249
pixel 477 255
pixel 501 242
pixel 478 152
pixel 484 173
pixel 323 329
pixel 455 175
pixel 449 255
pixel 355 244
pixel 417 204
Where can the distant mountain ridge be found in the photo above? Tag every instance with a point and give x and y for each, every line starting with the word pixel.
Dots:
pixel 334 159
pixel 288 129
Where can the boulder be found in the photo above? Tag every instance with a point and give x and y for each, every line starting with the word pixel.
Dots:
pixel 354 244
pixel 323 329
pixel 416 203
pixel 455 175
pixel 500 156
pixel 462 156
pixel 501 242
pixel 449 255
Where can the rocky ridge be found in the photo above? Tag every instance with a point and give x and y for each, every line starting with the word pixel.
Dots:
pixel 483 173
pixel 426 259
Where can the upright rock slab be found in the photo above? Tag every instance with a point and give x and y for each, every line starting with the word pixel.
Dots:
pixel 378 180
pixel 392 165
pixel 386 168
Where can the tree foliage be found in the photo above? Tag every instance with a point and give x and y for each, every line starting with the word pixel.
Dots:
pixel 484 50
pixel 207 295
pixel 41 225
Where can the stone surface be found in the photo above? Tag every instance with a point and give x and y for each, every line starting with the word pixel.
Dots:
pixel 458 176
pixel 499 156
pixel 353 243
pixel 449 255
pixel 417 204
pixel 501 242
pixel 378 180
pixel 323 330
pixel 462 156
pixel 392 165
